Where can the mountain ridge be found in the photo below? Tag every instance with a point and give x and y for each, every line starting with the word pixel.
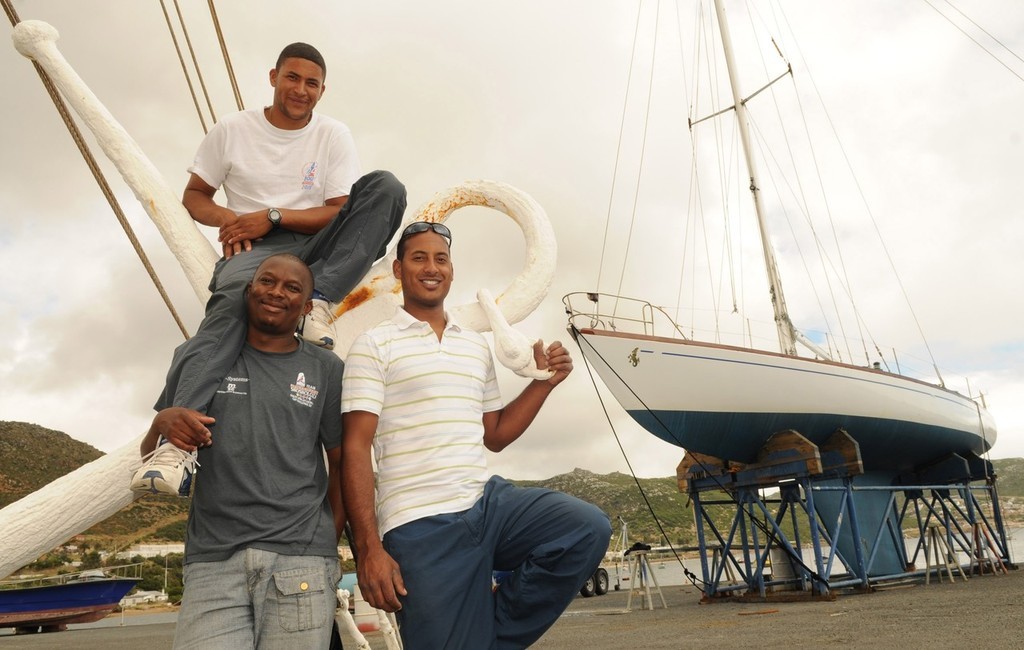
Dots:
pixel 32 456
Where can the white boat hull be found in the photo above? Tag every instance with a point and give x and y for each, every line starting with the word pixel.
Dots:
pixel 726 401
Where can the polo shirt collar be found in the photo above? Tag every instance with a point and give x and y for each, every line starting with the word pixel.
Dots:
pixel 405 320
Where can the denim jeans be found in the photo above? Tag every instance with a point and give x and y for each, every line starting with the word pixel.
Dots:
pixel 551 542
pixel 258 599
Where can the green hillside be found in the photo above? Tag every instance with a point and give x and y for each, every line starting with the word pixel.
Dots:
pixel 619 495
pixel 1010 476
pixel 31 456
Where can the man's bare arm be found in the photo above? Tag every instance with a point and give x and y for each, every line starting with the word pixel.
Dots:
pixel 237 232
pixel 380 580
pixel 334 489
pixel 184 428
pixel 254 225
pixel 198 200
pixel 503 427
pixel 311 220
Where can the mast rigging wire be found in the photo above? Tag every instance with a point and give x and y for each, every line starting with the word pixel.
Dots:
pixel 643 148
pixel 975 41
pixel 618 150
pixel 689 574
pixel 195 64
pixel 870 213
pixel 97 173
pixel 227 57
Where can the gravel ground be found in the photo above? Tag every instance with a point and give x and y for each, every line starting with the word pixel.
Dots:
pixel 983 612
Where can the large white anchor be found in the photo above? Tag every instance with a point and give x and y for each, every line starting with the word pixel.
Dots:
pixel 93 492
pixel 529 288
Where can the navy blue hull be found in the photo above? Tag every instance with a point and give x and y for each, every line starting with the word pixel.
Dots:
pixel 884 444
pixel 71 602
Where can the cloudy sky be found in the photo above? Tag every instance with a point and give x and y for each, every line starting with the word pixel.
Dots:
pixel 532 93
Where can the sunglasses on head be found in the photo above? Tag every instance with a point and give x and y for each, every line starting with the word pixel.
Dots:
pixel 423 226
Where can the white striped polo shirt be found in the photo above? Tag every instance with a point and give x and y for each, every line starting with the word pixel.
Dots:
pixel 430 397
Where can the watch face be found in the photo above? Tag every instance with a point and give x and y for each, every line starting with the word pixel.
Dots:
pixel 275 216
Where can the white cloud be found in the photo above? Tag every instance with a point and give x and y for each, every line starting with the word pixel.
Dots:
pixel 529 93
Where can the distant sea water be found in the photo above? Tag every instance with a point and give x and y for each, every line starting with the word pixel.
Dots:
pixel 118 620
pixel 667 571
pixel 113 620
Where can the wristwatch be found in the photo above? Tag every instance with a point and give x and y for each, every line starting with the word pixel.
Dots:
pixel 274 215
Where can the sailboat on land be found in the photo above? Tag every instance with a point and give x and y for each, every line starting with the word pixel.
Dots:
pixel 726 400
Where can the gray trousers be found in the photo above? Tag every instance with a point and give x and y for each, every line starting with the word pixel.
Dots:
pixel 258 599
pixel 339 256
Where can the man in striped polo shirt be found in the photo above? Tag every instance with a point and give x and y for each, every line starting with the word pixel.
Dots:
pixel 420 391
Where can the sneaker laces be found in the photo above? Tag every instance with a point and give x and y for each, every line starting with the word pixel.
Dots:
pixel 322 311
pixel 169 454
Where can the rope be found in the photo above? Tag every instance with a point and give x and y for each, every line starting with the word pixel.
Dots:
pixel 689 574
pixel 618 152
pixel 184 69
pixel 227 58
pixel 975 41
pixel 643 149
pixel 97 173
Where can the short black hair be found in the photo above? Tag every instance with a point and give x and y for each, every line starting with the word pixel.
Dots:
pixel 302 51
pixel 291 258
pixel 400 251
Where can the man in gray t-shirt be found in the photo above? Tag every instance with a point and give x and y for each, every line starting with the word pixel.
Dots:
pixel 261 559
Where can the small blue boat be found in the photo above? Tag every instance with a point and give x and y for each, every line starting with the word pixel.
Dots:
pixel 50 604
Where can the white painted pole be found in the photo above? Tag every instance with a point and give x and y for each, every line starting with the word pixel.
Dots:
pixel 38 41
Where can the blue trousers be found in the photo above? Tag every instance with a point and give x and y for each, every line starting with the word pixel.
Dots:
pixel 339 256
pixel 551 542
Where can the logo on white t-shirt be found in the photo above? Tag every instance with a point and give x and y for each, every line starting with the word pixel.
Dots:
pixel 309 175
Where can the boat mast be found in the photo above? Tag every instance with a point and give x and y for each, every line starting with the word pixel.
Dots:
pixel 787 336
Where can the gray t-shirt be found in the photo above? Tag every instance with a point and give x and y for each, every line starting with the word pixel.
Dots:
pixel 263 483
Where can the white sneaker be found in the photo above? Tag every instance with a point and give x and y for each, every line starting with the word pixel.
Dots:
pixel 317 326
pixel 165 470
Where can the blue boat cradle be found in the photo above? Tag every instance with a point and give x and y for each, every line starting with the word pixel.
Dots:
pixel 800 507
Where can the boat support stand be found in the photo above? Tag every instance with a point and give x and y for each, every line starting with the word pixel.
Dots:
pixel 773 529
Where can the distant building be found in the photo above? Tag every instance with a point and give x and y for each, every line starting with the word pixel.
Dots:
pixel 153 550
pixel 141 597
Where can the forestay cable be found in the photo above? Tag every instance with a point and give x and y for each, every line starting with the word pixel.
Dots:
pixel 97 173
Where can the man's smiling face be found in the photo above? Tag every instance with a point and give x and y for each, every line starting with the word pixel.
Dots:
pixel 425 270
pixel 278 295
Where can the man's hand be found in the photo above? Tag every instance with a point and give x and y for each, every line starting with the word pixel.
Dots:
pixel 380 580
pixel 556 358
pixel 238 234
pixel 184 428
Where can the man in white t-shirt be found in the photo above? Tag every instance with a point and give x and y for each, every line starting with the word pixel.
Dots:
pixel 291 180
pixel 420 392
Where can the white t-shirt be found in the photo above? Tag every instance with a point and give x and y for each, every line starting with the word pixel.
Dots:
pixel 260 166
pixel 430 397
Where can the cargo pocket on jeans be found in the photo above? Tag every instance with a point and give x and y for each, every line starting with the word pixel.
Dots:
pixel 300 599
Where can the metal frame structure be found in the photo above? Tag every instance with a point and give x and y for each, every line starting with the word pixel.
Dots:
pixel 761 534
